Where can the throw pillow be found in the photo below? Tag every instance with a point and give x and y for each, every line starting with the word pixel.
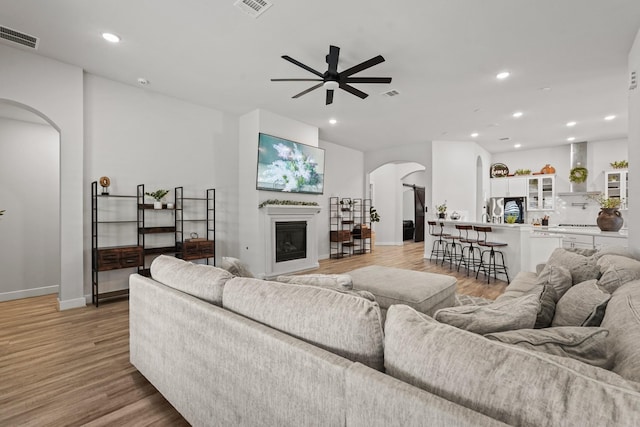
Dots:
pixel 582 305
pixel 619 270
pixel 547 297
pixel 558 277
pixel 235 267
pixel 589 345
pixel 339 281
pixel 613 250
pixel 517 313
pixel 582 268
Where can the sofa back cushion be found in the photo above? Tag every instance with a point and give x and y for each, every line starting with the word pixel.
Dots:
pixel 617 270
pixel 582 268
pixel 343 323
pixel 514 385
pixel 202 281
pixel 622 319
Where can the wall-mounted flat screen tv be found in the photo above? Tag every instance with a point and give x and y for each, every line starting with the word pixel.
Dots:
pixel 289 166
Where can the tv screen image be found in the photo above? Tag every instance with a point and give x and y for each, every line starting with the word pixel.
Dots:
pixel 289 166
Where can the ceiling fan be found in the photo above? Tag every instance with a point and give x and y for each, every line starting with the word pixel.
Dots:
pixel 332 79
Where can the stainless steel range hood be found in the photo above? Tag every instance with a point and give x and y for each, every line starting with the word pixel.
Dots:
pixel 578 158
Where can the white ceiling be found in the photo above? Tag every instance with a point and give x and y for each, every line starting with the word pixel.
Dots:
pixel 443 56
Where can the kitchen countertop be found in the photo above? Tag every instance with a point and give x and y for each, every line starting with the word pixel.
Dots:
pixel 544 230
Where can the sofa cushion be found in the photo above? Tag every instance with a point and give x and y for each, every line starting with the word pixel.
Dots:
pixel 582 305
pixel 202 281
pixel 524 282
pixel 345 324
pixel 587 344
pixel 338 281
pixel 518 313
pixel 514 385
pixel 547 297
pixel 235 267
pixel 622 319
pixel 617 270
pixel 613 250
pixel 582 268
pixel 557 276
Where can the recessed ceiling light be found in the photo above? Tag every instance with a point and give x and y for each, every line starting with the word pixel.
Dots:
pixel 571 124
pixel 502 75
pixel 474 135
pixel 143 81
pixel 517 145
pixel 333 121
pixel 611 117
pixel 571 138
pixel 517 114
pixel 110 37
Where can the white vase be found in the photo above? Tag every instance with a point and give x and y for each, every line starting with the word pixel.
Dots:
pixel 169 205
pixel 157 205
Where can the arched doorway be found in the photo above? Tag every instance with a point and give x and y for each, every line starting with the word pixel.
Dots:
pixel 30 195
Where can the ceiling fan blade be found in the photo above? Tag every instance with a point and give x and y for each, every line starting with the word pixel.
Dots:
pixel 297 80
pixel 353 90
pixel 301 65
pixel 304 92
pixel 362 66
pixel 368 80
pixel 332 59
pixel 329 96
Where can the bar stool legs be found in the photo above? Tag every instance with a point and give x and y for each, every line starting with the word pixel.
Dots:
pixel 491 264
pixel 439 245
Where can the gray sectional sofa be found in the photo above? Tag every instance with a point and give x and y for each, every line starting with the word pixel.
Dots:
pixel 228 350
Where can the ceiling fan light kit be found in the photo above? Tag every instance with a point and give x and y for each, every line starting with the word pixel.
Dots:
pixel 331 79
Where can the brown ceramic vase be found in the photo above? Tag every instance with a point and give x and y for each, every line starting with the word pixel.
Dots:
pixel 610 219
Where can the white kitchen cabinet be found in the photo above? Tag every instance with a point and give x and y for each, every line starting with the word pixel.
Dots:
pixel 541 192
pixel 508 187
pixel 577 241
pixel 616 185
pixel 601 241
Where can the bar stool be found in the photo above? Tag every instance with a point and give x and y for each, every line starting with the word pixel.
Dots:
pixel 471 252
pixel 488 266
pixel 439 245
pixel 452 249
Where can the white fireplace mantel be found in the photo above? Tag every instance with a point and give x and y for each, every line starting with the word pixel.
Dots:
pixel 277 213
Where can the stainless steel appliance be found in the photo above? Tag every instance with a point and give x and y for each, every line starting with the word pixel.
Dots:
pixel 502 207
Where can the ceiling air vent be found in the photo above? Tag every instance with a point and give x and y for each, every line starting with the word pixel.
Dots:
pixel 253 8
pixel 391 92
pixel 18 37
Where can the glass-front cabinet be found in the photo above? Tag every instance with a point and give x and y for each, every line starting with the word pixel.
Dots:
pixel 541 192
pixel 617 186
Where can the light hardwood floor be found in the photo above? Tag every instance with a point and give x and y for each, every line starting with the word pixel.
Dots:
pixel 72 368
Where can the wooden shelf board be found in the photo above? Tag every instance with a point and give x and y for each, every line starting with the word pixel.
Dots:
pixel 156 230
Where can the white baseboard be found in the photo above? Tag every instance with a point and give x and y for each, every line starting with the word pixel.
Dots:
pixel 71 303
pixel 28 293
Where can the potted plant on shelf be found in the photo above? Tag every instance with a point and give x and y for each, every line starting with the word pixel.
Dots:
pixel 609 217
pixel 442 210
pixel 157 195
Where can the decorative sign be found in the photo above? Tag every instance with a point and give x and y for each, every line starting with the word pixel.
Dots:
pixel 499 170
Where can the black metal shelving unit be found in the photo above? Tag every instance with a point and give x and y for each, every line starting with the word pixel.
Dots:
pixel 106 258
pixel 195 247
pixel 349 227
pixel 146 229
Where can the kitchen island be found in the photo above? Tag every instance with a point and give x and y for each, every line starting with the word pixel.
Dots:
pixel 525 247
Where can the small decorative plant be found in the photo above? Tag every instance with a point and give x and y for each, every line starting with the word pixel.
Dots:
pixel 523 171
pixel 373 214
pixel 286 202
pixel 2 212
pixel 511 219
pixel 442 208
pixel 346 204
pixel 606 202
pixel 158 195
pixel 622 164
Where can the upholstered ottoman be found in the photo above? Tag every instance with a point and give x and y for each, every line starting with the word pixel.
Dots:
pixel 425 292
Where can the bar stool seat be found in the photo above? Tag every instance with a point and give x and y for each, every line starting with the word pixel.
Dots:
pixel 491 264
pixel 471 252
pixel 439 245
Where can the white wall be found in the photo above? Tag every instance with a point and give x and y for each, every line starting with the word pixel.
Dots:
pixel 633 214
pixel 136 136
pixel 54 90
pixel 30 192
pixel 419 179
pixel 344 177
pixel 454 177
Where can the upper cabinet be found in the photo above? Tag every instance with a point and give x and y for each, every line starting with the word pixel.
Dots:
pixel 508 187
pixel 541 192
pixel 616 186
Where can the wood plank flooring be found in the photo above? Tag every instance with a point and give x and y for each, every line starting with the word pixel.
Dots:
pixel 72 368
